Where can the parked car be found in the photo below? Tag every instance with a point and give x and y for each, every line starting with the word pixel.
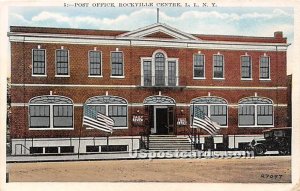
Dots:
pixel 275 139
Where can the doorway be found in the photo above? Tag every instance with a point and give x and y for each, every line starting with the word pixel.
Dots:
pixel 163 120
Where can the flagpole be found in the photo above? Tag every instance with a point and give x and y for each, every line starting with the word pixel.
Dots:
pixel 193 124
pixel 80 133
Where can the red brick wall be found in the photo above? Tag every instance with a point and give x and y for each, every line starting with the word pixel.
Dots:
pixel 21 73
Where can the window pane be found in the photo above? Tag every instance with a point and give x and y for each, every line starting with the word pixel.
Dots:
pixel 62 62
pixel 218 113
pixel 39 116
pixel 218 62
pixel 117 63
pixel 38 62
pixel 246 66
pixel 171 73
pixel 264 67
pixel 118 114
pixel 159 69
pixel 147 73
pixel 198 65
pixel 246 115
pixel 264 115
pixel 63 116
pixel 95 63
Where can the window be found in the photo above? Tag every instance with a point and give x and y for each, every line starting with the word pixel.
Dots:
pixel 62 116
pixel 38 62
pixel 119 114
pixel 218 61
pixel 112 106
pixel 95 63
pixel 246 67
pixel 117 65
pixel 255 112
pixel 199 66
pixel 62 62
pixel 50 112
pixel 67 149
pixel 147 73
pixel 171 73
pixel 159 70
pixel 39 116
pixel 213 107
pixel 264 72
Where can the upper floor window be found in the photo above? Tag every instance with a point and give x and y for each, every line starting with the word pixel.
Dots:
pixel 199 68
pixel 38 62
pixel 255 112
pixel 264 68
pixel 213 107
pixel 50 112
pixel 117 64
pixel 246 67
pixel 62 62
pixel 112 106
pixel 159 70
pixel 218 62
pixel 95 63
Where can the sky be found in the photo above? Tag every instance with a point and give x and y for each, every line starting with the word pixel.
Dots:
pixel 247 21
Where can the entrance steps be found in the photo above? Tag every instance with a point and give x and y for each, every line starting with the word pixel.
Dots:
pixel 169 142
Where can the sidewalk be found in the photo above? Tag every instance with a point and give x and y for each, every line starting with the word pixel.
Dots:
pixel 130 155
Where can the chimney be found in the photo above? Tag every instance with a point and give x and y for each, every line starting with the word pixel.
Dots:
pixel 278 34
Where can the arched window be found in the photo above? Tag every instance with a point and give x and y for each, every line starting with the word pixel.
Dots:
pixel 112 106
pixel 51 112
pixel 159 69
pixel 213 107
pixel 256 112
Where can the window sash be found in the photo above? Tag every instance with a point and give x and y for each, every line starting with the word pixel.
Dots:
pixel 95 63
pixel 159 69
pixel 218 62
pixel 62 62
pixel 147 73
pixel 264 68
pixel 199 66
pixel 119 114
pixel 38 62
pixel 39 116
pixel 117 64
pixel 171 73
pixel 62 116
pixel 246 66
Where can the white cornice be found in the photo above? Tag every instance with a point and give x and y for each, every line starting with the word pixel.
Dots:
pixel 140 41
pixel 135 86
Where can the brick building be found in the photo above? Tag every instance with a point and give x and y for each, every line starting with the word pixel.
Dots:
pixel 155 75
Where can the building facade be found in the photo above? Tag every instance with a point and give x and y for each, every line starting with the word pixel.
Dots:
pixel 147 80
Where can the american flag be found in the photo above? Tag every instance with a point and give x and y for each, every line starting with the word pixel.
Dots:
pixel 94 119
pixel 200 120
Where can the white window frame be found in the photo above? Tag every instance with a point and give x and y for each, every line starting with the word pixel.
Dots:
pixel 58 75
pixel 123 61
pixel 167 60
pixel 89 65
pixel 208 112
pixel 269 78
pixel 213 64
pixel 255 116
pixel 199 78
pixel 51 116
pixel 241 65
pixel 38 75
pixel 106 112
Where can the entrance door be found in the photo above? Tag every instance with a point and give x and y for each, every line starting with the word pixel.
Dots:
pixel 161 120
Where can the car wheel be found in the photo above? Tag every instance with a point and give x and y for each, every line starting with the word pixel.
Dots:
pixel 259 150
